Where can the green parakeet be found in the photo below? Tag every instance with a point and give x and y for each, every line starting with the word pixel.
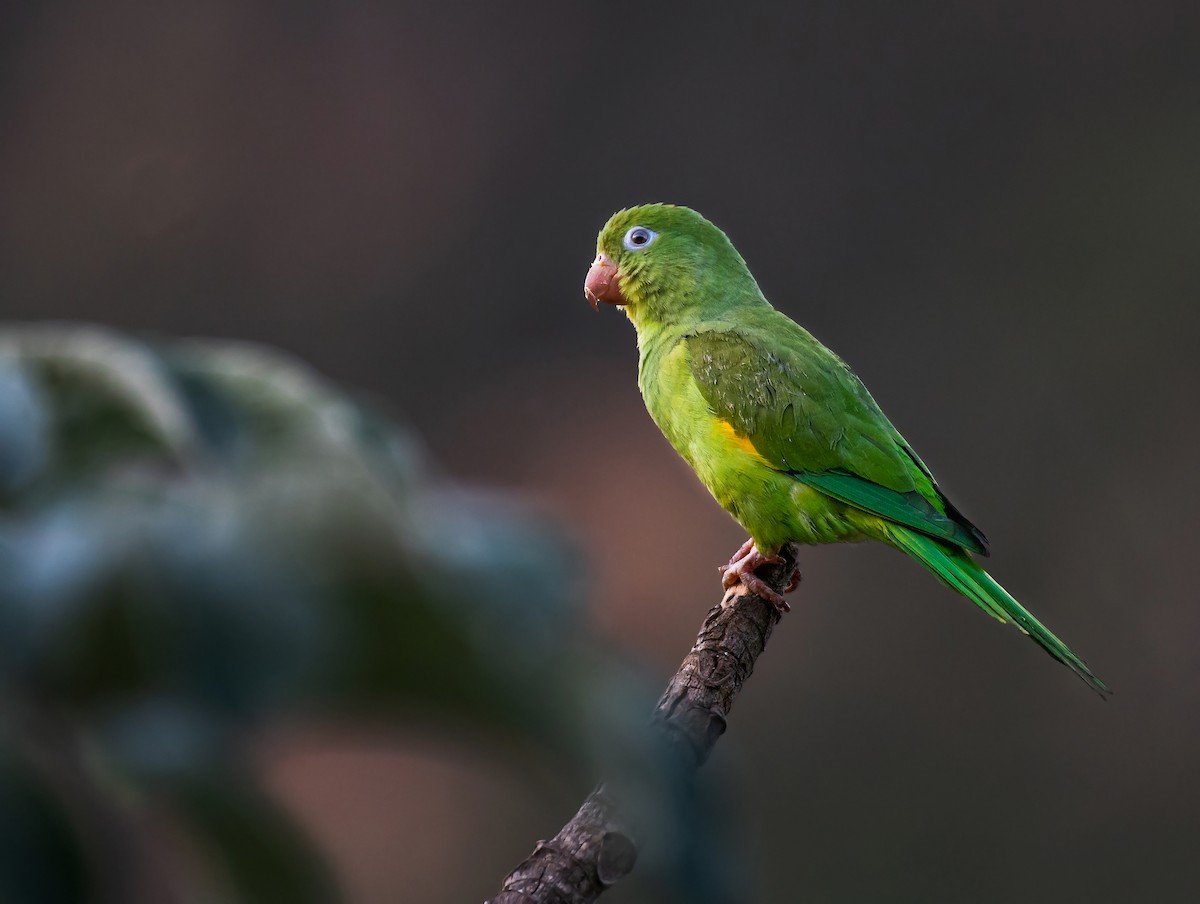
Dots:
pixel 778 428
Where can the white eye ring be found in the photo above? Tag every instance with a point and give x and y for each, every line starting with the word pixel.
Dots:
pixel 638 238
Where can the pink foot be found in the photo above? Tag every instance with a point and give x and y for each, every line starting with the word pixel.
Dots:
pixel 738 577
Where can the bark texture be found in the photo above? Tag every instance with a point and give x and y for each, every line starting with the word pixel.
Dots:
pixel 596 848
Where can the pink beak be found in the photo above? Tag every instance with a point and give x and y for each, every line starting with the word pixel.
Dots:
pixel 603 282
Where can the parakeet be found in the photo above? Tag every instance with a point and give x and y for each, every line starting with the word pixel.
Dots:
pixel 780 430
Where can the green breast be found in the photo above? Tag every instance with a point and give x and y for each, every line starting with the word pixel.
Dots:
pixel 771 505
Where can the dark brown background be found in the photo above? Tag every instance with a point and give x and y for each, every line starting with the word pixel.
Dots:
pixel 990 209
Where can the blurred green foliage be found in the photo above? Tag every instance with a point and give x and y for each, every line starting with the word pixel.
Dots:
pixel 196 538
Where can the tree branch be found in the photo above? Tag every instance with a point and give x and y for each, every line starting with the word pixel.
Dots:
pixel 596 848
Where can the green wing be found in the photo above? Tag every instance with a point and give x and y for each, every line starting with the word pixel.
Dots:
pixel 807 414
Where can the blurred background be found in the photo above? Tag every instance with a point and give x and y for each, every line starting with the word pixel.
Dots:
pixel 989 209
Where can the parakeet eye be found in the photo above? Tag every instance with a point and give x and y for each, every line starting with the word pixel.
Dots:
pixel 639 237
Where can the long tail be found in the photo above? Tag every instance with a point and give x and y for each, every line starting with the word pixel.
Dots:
pixel 958 570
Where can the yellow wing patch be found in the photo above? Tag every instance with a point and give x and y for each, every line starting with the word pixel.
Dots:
pixel 738 441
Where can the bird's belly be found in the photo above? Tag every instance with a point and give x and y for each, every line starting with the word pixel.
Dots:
pixel 776 508
pixel 773 506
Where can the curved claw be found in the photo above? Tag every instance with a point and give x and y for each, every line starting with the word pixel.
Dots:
pixel 752 584
pixel 739 578
pixel 793 581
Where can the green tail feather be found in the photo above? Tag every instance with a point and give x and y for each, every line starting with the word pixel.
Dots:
pixel 958 570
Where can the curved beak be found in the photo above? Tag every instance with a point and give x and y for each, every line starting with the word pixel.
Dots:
pixel 603 282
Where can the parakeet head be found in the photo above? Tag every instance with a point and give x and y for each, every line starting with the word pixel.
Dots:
pixel 667 264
